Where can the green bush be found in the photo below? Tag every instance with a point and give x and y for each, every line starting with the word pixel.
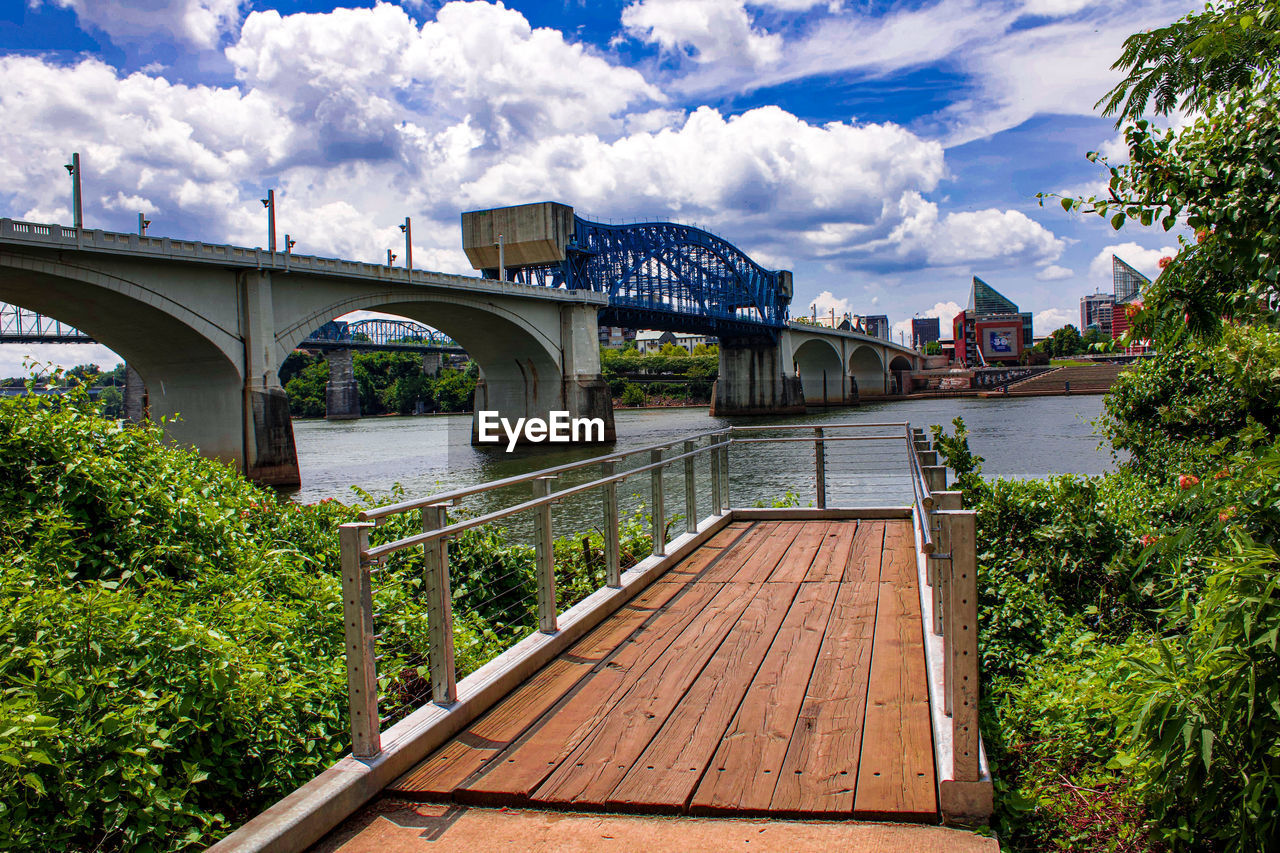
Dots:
pixel 171 650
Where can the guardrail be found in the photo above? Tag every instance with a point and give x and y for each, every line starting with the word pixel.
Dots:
pixel 421 661
pixel 948 541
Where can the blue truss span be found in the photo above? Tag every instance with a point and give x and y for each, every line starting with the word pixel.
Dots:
pixel 379 334
pixel 658 275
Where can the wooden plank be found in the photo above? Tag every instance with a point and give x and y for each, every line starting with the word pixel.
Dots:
pixel 832 559
pixel 735 556
pixel 524 766
pixel 729 535
pixel 820 769
pixel 744 771
pixel 451 765
pixel 764 554
pixel 601 759
pixel 896 772
pixel 795 563
pixel 664 776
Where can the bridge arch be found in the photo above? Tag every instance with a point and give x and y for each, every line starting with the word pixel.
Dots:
pixel 867 370
pixel 822 375
pixel 192 367
pixel 520 362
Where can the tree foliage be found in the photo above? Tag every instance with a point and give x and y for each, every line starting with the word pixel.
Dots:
pixel 1184 65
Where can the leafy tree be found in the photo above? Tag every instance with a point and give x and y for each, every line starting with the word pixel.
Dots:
pixel 933 348
pixel 1228 46
pixel 307 390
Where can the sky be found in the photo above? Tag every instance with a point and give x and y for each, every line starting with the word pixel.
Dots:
pixel 884 152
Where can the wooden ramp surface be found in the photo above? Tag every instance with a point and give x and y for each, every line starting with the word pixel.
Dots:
pixel 778 670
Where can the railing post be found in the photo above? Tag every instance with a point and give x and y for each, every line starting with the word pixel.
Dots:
pixel 724 474
pixel 690 495
pixel 927 457
pixel 935 477
pixel 717 503
pixel 357 622
pixel 440 656
pixel 659 513
pixel 820 467
pixel 546 572
pixel 612 573
pixel 963 646
pixel 941 576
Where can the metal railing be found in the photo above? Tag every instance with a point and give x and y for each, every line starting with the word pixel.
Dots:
pixel 425 660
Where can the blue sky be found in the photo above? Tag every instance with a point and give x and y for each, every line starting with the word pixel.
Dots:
pixel 885 152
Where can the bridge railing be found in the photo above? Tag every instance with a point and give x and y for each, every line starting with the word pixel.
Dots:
pixel 410 599
pixel 948 541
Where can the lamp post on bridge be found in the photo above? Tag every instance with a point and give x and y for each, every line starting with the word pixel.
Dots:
pixel 502 260
pixel 270 204
pixel 407 228
pixel 77 207
pixel 391 258
pixel 143 222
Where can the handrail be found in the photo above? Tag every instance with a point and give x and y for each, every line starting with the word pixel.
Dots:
pixel 497 515
pixel 375 513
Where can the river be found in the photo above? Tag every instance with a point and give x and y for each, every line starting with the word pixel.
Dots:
pixel 1018 437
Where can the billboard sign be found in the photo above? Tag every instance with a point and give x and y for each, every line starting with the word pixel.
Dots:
pixel 1001 341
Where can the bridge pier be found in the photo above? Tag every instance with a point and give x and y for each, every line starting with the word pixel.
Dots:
pixel 432 362
pixel 754 380
pixel 135 396
pixel 270 456
pixel 342 394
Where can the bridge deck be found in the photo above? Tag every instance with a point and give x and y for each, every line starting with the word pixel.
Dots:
pixel 776 671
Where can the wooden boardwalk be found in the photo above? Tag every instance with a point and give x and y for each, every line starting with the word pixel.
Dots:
pixel 778 670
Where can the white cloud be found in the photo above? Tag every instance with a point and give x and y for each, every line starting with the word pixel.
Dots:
pixel 1053 272
pixel 1144 260
pixel 360 117
pixel 964 238
pixel 1052 319
pixel 826 302
pixel 199 23
pixel 709 31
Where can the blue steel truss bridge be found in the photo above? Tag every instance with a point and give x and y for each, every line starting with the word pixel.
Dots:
pixel 22 326
pixel 657 275
pixel 380 334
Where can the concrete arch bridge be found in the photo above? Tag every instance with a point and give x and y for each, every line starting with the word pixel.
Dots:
pixel 208 326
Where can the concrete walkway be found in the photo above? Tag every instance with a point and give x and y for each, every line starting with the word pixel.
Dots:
pixel 398 826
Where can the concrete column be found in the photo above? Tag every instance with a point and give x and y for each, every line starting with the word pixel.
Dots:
pixel 586 394
pixel 526 384
pixel 754 381
pixel 270 456
pixel 342 394
pixel 432 362
pixel 135 396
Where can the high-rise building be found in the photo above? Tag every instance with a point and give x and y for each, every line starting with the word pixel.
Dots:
pixel 924 330
pixel 1129 285
pixel 991 328
pixel 1096 310
pixel 877 325
pixel 1127 281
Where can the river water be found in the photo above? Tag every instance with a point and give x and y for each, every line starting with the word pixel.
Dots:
pixel 1018 437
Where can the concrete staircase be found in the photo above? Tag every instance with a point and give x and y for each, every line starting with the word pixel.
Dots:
pixel 1084 379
